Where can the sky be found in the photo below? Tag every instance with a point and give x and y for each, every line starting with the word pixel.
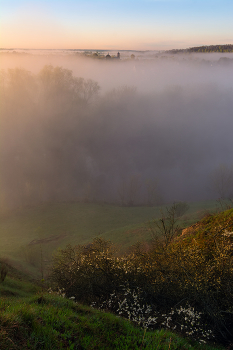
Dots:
pixel 115 24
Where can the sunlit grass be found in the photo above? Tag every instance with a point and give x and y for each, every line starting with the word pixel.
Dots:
pixel 51 322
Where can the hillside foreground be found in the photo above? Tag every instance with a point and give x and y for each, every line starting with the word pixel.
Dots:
pixel 183 286
pixel 32 319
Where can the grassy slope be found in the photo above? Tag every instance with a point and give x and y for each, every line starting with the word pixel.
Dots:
pixel 209 226
pixel 45 321
pixel 30 319
pixel 76 223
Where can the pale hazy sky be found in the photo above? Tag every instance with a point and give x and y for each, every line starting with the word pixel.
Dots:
pixel 115 24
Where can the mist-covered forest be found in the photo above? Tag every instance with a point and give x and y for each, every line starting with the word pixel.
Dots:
pixel 131 133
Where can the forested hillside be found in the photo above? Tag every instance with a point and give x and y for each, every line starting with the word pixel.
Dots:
pixel 211 48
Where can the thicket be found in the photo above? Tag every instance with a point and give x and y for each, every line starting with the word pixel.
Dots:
pixel 185 285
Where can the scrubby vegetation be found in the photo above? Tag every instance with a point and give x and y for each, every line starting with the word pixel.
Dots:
pixel 184 284
pixel 31 318
pixel 174 292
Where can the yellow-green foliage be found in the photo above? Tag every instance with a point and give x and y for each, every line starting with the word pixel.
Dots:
pixel 196 267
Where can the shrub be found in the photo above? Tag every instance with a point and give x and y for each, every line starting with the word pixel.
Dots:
pixel 130 304
pixel 87 272
pixel 195 270
pixel 184 319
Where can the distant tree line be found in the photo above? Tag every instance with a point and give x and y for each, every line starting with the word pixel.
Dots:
pixel 211 48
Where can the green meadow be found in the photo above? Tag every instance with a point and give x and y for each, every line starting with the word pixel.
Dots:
pixel 27 234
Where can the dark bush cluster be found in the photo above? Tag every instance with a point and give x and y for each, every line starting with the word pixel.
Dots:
pixel 194 270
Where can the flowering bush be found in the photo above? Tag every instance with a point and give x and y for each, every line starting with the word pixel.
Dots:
pixel 130 304
pixel 197 268
pixel 189 322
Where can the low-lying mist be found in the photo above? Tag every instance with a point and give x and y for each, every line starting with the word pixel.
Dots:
pixel 132 132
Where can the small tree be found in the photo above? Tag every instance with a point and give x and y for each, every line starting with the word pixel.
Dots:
pixel 180 208
pixel 167 226
pixel 86 272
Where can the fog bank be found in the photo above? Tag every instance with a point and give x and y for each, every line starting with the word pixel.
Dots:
pixel 133 132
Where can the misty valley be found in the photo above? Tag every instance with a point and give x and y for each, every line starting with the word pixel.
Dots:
pixel 117 193
pixel 65 137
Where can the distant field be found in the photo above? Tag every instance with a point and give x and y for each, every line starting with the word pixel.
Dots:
pixel 28 234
